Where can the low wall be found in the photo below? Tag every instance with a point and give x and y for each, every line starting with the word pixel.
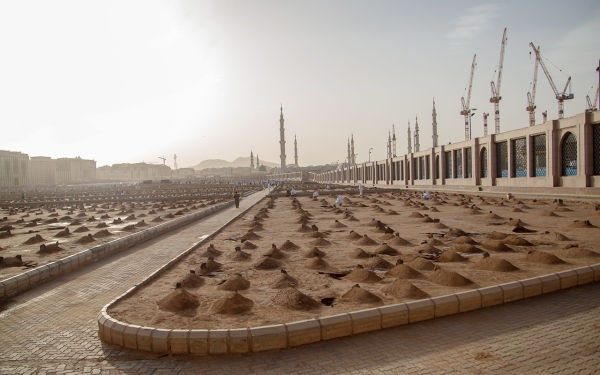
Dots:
pixel 32 278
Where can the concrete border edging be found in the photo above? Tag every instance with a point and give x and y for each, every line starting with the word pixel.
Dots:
pixel 30 279
pixel 293 334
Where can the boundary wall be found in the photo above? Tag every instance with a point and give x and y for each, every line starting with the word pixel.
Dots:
pixel 561 153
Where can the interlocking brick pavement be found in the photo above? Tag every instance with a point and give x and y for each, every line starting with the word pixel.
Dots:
pixel 52 329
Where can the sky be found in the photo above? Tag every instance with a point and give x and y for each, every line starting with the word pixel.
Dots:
pixel 132 81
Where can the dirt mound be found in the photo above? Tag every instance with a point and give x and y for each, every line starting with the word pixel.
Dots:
pixel 497 236
pixel 316 263
pixel 359 254
pixel 377 263
pixel 236 282
pixel 102 233
pixel 283 280
pixel 537 256
pixel 440 226
pixel 563 209
pixel 577 252
pixel 358 295
pixel 434 242
pixel 416 215
pixel 250 235
pixel 102 225
pixel 456 233
pixel 391 212
pixel 493 216
pixel 495 264
pixel 267 263
pixel 63 233
pixel 50 248
pixel 294 299
pixel 399 241
pixel 555 236
pixel 211 251
pixel 421 264
pixel 472 211
pixel 516 241
pixel 239 255
pixel 515 209
pixel 157 220
pixel 581 224
pixel 387 236
pixel 426 219
pixel 191 280
pixel 314 234
pixel 86 239
pixel 404 289
pixel 404 271
pixel 311 253
pixel 248 245
pixel 428 249
pixel 467 249
pixel 289 245
pixel 465 239
pixel 448 278
pixel 496 246
pixel 516 222
pixel 361 275
pixel 275 253
pixel 384 248
pixel 81 230
pixel 141 223
pixel 33 240
pixel 179 300
pixel 169 216
pixel 353 235
pixel 451 256
pixel 548 213
pixel 129 228
pixel 232 304
pixel 320 242
pixel 366 241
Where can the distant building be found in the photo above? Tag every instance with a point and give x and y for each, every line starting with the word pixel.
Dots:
pixel 136 172
pixel 71 170
pixel 14 168
pixel 42 170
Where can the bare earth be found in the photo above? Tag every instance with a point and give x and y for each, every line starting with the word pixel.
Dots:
pixel 334 293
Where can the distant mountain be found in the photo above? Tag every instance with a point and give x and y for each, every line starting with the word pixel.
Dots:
pixel 239 162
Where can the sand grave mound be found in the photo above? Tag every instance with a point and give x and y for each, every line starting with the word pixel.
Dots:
pixel 421 264
pixel 440 226
pixel 496 246
pixel 456 233
pixel 555 236
pixel 210 266
pixel 351 218
pixel 493 216
pixel 157 220
pixel 314 234
pixel 375 262
pixel 267 263
pixel 448 278
pixel 81 230
pixel 384 248
pixel 232 304
pixel 404 289
pixel 179 300
pixel 50 248
pixel 102 233
pixel 495 264
pixel 537 256
pixel 466 248
pixel 428 249
pixel 86 239
pixel 515 209
pixel 63 233
pixel 283 280
pixel 337 224
pixel 101 225
pixel 577 252
pixel 191 280
pixel 516 223
pixel 304 229
pixel 472 211
pixel 434 242
pixel 451 256
pixel 33 240
pixel 359 254
pixel 387 236
pixel 275 253
pixel 516 241
pixel 292 298
pixel 316 263
pixel 236 282
pixel 399 241
pixel 248 245
pixel 75 222
pixel 391 212
pixel 404 271
pixel 169 216
pixel 141 224
pixel 289 245
pixel 353 235
pixel 372 223
pixel 465 239
pixel 250 235
pixel 320 242
pixel 581 224
pixel 426 219
pixel 314 251
pixel 129 228
pixel 497 236
pixel 563 209
pixel 361 275
pixel 366 241
pixel 356 294
pixel 415 215
pixel 239 255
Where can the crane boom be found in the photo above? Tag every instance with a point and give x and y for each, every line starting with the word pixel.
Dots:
pixel 496 86
pixel 592 104
pixel 465 104
pixel 531 95
pixel 561 97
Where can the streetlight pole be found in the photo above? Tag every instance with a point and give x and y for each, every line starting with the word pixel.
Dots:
pixel 370 154
pixel 470 127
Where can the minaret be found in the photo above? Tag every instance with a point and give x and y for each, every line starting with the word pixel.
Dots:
pixel 257 162
pixel 349 155
pixel 251 162
pixel 417 143
pixel 394 140
pixel 389 146
pixel 409 139
pixel 282 141
pixel 352 154
pixel 434 126
pixel 295 151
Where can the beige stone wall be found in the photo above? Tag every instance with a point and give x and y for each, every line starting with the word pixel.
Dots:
pixel 14 169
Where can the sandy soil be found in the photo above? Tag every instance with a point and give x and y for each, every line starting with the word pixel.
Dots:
pixel 456 263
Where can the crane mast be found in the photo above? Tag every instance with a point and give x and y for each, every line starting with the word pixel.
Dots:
pixel 561 97
pixel 592 104
pixel 496 86
pixel 465 105
pixel 531 95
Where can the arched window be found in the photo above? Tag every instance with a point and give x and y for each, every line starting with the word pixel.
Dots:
pixel 569 155
pixel 484 163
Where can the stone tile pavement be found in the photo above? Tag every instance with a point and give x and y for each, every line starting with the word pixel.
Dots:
pixel 52 330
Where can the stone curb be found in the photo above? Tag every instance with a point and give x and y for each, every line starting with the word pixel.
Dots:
pixel 23 282
pixel 289 335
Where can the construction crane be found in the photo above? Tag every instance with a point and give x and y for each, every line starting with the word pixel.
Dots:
pixel 561 97
pixel 465 105
pixel 163 159
pixel 591 105
pixel 175 161
pixel 531 95
pixel 496 86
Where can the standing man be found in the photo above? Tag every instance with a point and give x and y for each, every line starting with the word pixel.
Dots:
pixel 360 188
pixel 236 198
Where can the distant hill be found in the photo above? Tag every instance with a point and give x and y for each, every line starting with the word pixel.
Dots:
pixel 239 162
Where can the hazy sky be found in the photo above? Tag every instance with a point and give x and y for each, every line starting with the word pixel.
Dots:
pixel 129 81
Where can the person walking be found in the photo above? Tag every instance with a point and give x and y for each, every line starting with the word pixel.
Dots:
pixel 236 198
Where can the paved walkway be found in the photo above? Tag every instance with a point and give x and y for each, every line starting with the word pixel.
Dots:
pixel 52 330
